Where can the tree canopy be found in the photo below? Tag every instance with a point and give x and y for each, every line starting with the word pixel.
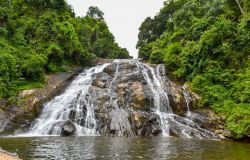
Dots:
pixel 43 36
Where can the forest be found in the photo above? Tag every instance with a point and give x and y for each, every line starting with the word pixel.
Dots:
pixel 39 37
pixel 205 44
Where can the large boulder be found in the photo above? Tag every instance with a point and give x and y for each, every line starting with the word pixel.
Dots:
pixel 68 129
pixel 138 98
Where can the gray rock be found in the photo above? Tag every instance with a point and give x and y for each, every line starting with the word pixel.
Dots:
pixel 68 129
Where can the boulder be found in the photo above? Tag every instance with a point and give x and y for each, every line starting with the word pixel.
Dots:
pixel 138 96
pixel 68 129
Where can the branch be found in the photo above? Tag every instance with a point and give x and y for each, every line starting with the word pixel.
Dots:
pixel 237 1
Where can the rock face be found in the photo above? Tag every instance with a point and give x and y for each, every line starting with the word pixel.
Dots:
pixel 125 98
pixel 68 129
pixel 18 118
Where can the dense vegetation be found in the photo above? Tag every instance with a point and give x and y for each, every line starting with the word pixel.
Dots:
pixel 205 43
pixel 42 36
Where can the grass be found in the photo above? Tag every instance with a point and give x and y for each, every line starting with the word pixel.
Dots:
pixel 25 85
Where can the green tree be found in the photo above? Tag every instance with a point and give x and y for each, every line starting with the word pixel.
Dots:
pixel 95 13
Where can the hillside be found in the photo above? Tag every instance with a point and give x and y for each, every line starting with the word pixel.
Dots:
pixel 205 44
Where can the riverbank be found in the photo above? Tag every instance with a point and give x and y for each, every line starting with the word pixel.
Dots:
pixel 4 155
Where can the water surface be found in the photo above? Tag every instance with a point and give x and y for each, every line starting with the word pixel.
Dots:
pixel 60 148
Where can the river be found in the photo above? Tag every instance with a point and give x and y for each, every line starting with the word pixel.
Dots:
pixel 60 148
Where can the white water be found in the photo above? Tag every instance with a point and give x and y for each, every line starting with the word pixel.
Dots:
pixel 188 100
pixel 161 101
pixel 74 99
pixel 181 126
pixel 76 102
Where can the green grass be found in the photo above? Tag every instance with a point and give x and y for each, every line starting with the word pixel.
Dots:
pixel 25 85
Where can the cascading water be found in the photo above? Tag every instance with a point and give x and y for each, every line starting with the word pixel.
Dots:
pixel 92 115
pixel 161 101
pixel 70 106
pixel 188 99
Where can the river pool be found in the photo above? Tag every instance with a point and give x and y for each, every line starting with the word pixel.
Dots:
pixel 74 148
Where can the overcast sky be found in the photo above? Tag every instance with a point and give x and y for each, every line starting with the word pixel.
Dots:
pixel 123 17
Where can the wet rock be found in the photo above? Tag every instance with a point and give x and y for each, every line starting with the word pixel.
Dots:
pixel 145 131
pixel 138 98
pixel 31 102
pixel 227 134
pixel 98 84
pixel 149 130
pixel 3 121
pixel 176 99
pixel 119 123
pixel 110 69
pixel 68 129
pixel 224 134
pixel 101 80
pixel 207 119
pixel 156 130
pixel 72 114
pixel 145 124
pixel 137 120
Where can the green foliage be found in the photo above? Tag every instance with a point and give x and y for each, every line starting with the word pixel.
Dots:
pixel 156 57
pixel 42 36
pixel 8 73
pixel 172 55
pixel 95 12
pixel 207 44
pixel 25 85
pixel 55 54
pixel 33 68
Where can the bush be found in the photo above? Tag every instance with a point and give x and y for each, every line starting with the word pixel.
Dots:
pixel 54 54
pixel 171 56
pixel 8 74
pixel 33 68
pixel 156 57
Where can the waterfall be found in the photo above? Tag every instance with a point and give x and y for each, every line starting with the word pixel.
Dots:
pixel 188 99
pixel 81 107
pixel 161 101
pixel 73 101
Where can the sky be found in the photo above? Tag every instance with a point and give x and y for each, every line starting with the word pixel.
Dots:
pixel 123 17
